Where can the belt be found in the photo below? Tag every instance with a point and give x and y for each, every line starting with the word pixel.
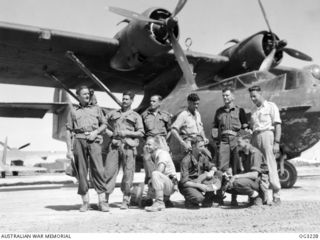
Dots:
pixel 229 132
pixel 261 131
pixel 82 134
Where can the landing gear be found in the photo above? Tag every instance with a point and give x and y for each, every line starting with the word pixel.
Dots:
pixel 289 176
pixel 287 171
pixel 3 174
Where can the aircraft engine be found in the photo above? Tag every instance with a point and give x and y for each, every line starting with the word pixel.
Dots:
pixel 249 54
pixel 140 40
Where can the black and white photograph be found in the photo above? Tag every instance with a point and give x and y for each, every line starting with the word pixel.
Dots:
pixel 159 116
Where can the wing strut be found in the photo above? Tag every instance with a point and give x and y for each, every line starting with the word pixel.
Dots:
pixel 77 61
pixel 53 77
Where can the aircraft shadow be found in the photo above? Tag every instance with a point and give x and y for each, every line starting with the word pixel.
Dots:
pixel 64 207
pixel 228 206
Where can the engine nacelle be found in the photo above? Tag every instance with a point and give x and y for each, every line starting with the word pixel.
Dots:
pixel 249 54
pixel 140 40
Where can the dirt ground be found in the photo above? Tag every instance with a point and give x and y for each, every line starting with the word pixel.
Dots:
pixel 54 208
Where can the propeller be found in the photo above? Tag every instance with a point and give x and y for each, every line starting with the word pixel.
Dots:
pixel 167 25
pixel 133 15
pixel 24 146
pixel 278 45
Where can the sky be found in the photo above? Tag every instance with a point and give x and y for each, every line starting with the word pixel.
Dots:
pixel 210 24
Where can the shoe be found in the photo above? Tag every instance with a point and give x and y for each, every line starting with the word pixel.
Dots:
pixel 104 207
pixel 190 205
pixel 206 204
pixel 84 207
pixel 124 205
pixel 276 201
pixel 146 202
pixel 215 205
pixel 156 206
pixel 168 204
pixel 255 201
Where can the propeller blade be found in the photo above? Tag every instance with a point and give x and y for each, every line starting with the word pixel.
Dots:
pixel 264 15
pixel 267 62
pixel 182 61
pixel 179 7
pixel 24 146
pixel 297 54
pixel 267 22
pixel 133 15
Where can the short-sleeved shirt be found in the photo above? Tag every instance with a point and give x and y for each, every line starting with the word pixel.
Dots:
pixel 156 123
pixel 191 168
pixel 163 157
pixel 130 121
pixel 265 116
pixel 233 118
pixel 253 160
pixel 188 124
pixel 85 118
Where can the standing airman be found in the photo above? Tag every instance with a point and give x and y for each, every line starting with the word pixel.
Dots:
pixel 127 127
pixel 85 123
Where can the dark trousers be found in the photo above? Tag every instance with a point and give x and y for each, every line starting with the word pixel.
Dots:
pixel 228 154
pixel 124 156
pixel 194 195
pixel 87 155
pixel 245 186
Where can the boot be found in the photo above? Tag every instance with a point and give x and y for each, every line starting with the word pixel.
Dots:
pixel 103 205
pixel 85 203
pixel 167 202
pixel 158 205
pixel 208 200
pixel 146 200
pixel 255 199
pixel 191 205
pixel 125 203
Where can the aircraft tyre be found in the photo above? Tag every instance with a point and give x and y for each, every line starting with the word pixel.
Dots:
pixel 3 174
pixel 15 173
pixel 289 177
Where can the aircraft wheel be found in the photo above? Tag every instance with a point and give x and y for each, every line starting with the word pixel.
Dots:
pixel 15 173
pixel 3 174
pixel 289 176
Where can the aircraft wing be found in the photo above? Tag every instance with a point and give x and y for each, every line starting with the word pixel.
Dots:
pixel 8 168
pixel 27 52
pixel 30 110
